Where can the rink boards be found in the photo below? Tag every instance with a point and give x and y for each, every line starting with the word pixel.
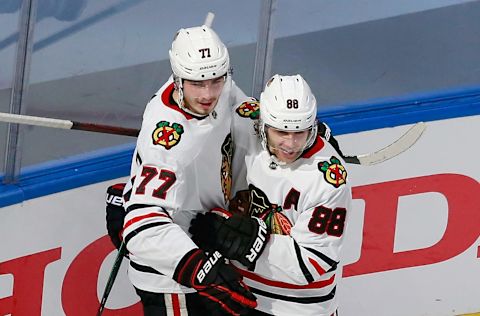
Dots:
pixel 412 245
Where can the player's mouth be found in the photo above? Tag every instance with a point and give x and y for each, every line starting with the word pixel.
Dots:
pixel 206 105
pixel 288 153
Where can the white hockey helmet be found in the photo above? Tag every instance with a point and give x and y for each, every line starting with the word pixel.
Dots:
pixel 288 104
pixel 198 54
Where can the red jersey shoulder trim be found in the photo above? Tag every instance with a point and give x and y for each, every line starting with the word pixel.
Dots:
pixel 166 100
pixel 317 146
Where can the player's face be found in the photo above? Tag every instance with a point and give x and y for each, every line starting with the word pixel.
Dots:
pixel 286 146
pixel 201 97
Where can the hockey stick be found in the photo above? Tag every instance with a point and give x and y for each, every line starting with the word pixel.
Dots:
pixel 394 149
pixel 111 278
pixel 66 124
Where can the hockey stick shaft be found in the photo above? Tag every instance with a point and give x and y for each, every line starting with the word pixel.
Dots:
pixel 111 278
pixel 403 143
pixel 66 124
pixel 394 149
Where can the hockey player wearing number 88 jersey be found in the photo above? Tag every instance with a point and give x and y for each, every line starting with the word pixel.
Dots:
pixel 181 165
pixel 298 187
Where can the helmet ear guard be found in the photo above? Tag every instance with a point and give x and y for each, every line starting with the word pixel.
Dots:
pixel 288 104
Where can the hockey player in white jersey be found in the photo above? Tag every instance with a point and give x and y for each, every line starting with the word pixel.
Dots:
pixel 181 164
pixel 298 198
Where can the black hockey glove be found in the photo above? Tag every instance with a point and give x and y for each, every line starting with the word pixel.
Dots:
pixel 218 283
pixel 115 213
pixel 239 237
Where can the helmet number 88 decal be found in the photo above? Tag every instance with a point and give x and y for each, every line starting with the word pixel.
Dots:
pixel 325 220
pixel 292 104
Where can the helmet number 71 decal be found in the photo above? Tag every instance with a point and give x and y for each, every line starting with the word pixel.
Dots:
pixel 161 181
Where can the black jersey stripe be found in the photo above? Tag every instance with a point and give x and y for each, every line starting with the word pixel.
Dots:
pixel 140 229
pixel 332 263
pixel 300 300
pixel 308 276
pixel 138 159
pixel 137 206
pixel 143 268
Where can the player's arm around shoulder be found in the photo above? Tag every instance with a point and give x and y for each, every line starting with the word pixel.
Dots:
pixel 245 117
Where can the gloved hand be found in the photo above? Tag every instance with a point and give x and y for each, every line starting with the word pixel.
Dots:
pixel 239 237
pixel 115 213
pixel 216 281
pixel 240 203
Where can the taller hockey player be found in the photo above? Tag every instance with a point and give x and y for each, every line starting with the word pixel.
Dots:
pixel 182 164
pixel 298 200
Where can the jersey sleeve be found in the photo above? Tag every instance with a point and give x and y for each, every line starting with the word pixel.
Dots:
pixel 245 115
pixel 154 232
pixel 311 252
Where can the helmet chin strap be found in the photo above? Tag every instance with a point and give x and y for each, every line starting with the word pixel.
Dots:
pixel 181 100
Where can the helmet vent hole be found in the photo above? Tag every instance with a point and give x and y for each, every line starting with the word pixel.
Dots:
pixel 286 126
pixel 203 76
pixel 214 74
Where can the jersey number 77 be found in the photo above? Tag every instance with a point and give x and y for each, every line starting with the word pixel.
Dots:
pixel 165 177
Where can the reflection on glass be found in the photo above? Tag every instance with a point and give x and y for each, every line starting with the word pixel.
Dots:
pixel 103 66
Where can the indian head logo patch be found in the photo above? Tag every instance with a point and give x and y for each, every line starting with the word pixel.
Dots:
pixel 249 109
pixel 333 171
pixel 226 168
pixel 167 135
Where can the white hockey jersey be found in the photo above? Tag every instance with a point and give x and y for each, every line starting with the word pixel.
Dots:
pixel 181 165
pixel 306 206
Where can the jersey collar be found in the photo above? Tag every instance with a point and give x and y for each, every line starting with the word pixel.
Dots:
pixel 315 148
pixel 167 99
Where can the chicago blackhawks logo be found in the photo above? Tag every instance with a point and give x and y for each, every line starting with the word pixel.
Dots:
pixel 334 172
pixel 167 135
pixel 271 214
pixel 249 109
pixel 226 169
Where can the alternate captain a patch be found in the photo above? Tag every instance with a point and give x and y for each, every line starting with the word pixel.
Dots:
pixel 249 109
pixel 333 171
pixel 167 135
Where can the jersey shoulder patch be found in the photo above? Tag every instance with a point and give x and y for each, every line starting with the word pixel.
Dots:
pixel 249 109
pixel 333 171
pixel 167 134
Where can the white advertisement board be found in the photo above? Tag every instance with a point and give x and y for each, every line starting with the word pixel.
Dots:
pixel 412 245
